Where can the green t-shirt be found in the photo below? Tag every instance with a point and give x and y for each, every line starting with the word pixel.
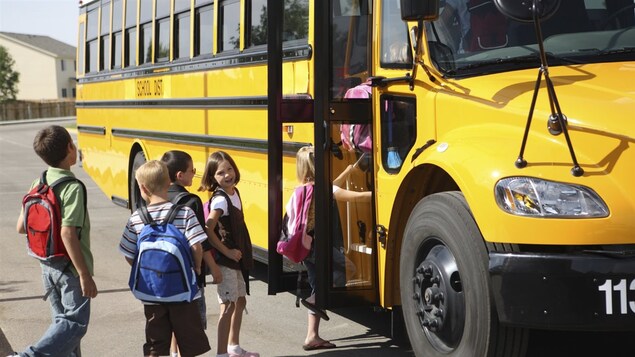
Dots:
pixel 71 198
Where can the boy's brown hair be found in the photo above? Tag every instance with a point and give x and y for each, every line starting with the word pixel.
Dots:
pixel 153 175
pixel 176 161
pixel 51 144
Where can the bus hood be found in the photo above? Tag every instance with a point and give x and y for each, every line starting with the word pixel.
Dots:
pixel 595 96
pixel 480 126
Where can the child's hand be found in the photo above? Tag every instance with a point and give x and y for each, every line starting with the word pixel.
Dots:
pixel 235 255
pixel 217 276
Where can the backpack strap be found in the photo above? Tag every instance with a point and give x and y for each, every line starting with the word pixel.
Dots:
pixel 145 215
pixel 180 198
pixel 174 210
pixel 227 199
pixel 60 181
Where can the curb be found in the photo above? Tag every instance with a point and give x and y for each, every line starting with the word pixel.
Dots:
pixel 41 120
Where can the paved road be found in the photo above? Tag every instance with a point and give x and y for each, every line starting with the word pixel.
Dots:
pixel 273 326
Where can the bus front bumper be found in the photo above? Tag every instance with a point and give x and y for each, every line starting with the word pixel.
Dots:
pixel 564 291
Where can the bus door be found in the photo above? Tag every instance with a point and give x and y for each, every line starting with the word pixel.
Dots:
pixel 348 168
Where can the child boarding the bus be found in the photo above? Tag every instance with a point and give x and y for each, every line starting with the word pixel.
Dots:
pixel 181 170
pixel 227 229
pixel 164 319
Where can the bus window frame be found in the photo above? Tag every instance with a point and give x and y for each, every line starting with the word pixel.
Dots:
pixel 220 28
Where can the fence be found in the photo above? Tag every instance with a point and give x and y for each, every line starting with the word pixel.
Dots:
pixel 20 109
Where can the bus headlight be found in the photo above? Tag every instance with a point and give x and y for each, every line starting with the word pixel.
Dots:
pixel 528 196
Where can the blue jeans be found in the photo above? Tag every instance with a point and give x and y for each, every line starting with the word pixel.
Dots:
pixel 70 312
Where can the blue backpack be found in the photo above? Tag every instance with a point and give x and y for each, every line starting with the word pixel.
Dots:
pixel 163 270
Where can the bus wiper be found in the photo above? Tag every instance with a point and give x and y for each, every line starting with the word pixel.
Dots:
pixel 532 58
pixel 616 51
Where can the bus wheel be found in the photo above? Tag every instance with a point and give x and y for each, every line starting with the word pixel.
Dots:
pixel 135 193
pixel 445 294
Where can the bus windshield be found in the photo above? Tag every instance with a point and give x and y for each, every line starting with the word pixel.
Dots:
pixel 473 38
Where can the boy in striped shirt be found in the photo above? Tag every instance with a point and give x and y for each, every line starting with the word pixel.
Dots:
pixel 182 319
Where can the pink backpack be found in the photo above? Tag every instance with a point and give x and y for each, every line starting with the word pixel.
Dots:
pixel 296 245
pixel 357 136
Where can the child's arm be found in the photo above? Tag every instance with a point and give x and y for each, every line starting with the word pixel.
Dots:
pixel 71 242
pixel 197 255
pixel 217 276
pixel 212 221
pixel 20 225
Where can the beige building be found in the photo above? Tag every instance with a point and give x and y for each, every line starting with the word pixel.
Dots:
pixel 46 66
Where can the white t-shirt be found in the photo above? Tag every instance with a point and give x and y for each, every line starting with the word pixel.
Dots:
pixel 219 202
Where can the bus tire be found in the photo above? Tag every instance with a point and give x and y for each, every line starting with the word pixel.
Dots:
pixel 445 289
pixel 135 193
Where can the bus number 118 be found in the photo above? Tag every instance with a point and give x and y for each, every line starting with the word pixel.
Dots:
pixel 620 286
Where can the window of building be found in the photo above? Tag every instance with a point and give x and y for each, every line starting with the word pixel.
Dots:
pixel 229 17
pixel 62 65
pixel 64 94
pixel 204 30
pixel 74 93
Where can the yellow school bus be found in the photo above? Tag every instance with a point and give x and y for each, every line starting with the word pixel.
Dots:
pixel 495 136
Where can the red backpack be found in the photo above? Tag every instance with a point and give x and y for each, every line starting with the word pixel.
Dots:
pixel 43 219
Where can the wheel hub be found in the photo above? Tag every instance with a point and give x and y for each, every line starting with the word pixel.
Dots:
pixel 439 299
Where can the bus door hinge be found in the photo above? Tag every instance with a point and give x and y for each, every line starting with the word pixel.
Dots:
pixel 382 232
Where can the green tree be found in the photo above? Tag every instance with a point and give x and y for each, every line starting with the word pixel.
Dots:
pixel 8 77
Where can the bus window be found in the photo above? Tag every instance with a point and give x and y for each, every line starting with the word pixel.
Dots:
pixel 162 37
pixel 395 48
pixel 351 36
pixel 181 29
pixel 104 40
pixel 204 30
pixel 229 17
pixel 145 32
pixel 398 128
pixel 296 20
pixel 91 39
pixel 116 34
pixel 130 45
pixel 257 24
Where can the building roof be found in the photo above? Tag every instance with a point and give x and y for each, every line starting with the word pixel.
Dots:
pixel 44 43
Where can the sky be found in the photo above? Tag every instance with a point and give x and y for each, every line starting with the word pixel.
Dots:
pixel 54 18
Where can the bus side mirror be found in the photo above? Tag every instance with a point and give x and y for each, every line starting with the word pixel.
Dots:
pixel 419 10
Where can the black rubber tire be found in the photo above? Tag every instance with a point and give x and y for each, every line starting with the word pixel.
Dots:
pixel 468 324
pixel 135 193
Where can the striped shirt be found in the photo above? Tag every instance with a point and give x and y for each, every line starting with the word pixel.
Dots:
pixel 185 221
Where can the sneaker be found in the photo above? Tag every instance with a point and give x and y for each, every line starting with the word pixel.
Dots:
pixel 237 351
pixel 245 354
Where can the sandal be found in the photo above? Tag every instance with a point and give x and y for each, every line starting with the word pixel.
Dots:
pixel 322 345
